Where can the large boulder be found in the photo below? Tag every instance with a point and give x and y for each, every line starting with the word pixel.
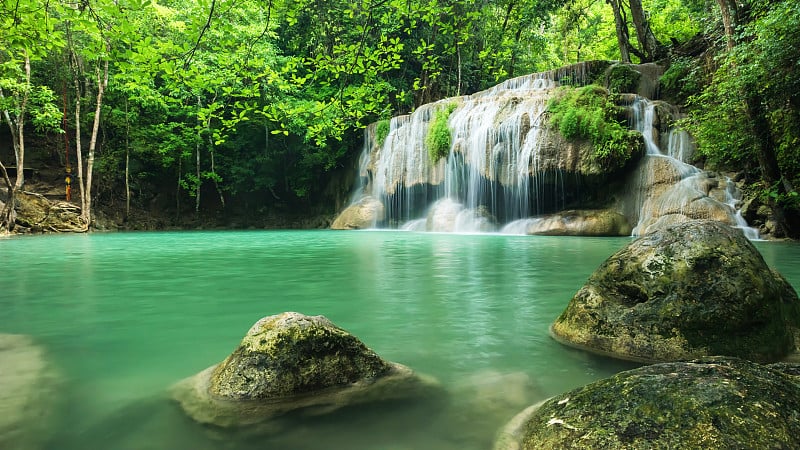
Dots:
pixel 37 214
pixel 28 387
pixel 363 213
pixel 693 289
pixel 290 362
pixel 713 403
pixel 603 222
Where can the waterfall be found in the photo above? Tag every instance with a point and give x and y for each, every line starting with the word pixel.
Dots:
pixel 674 190
pixel 733 198
pixel 506 171
pixel 491 173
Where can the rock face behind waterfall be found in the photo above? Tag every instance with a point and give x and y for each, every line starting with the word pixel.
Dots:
pixel 291 362
pixel 689 290
pixel 363 213
pixel 713 403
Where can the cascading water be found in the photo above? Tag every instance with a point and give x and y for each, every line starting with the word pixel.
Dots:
pixel 505 169
pixel 677 190
pixel 490 173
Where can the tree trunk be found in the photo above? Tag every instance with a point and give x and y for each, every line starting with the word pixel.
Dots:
pixel 16 125
pixel 197 174
pixel 19 149
pixel 649 45
pixel 7 214
pixel 78 149
pixel 622 31
pixel 767 159
pixel 127 163
pixel 102 82
pixel 725 11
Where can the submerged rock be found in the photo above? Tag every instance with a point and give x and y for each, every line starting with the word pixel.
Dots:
pixel 693 289
pixel 602 222
pixel 289 362
pixel 713 403
pixel 361 214
pixel 28 386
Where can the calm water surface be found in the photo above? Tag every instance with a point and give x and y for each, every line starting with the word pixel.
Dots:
pixel 124 316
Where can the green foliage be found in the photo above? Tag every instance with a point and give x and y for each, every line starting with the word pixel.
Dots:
pixel 381 131
pixel 589 113
pixel 622 78
pixel 682 79
pixel 438 139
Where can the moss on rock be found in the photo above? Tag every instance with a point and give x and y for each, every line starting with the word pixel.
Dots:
pixel 290 362
pixel 713 403
pixel 693 289
pixel 291 354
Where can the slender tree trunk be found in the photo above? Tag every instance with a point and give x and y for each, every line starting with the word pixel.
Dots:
pixel 178 188
pixel 16 125
pixel 127 163
pixel 19 149
pixel 7 214
pixel 78 144
pixel 102 82
pixel 12 127
pixel 197 161
pixel 213 164
pixel 622 31
pixel 197 174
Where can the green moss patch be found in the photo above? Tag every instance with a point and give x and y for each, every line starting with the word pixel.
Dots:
pixel 714 403
pixel 438 139
pixel 590 113
pixel 381 131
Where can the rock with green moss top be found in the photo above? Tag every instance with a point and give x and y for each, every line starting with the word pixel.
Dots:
pixel 693 289
pixel 290 362
pixel 713 403
pixel 600 222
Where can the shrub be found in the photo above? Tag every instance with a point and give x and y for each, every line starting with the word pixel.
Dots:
pixel 589 113
pixel 381 131
pixel 438 139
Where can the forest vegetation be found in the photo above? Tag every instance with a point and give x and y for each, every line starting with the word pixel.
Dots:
pixel 226 108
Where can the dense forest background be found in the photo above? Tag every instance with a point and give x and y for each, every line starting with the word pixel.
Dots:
pixel 235 111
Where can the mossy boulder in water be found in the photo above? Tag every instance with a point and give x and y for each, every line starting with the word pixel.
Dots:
pixel 290 362
pixel 713 403
pixel 693 289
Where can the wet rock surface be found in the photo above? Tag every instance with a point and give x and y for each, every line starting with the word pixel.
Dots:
pixel 713 403
pixel 582 223
pixel 28 386
pixel 361 214
pixel 693 289
pixel 291 362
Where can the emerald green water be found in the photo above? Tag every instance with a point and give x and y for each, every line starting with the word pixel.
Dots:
pixel 124 316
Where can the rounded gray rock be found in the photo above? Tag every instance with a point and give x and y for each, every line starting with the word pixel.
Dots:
pixel 288 362
pixel 693 289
